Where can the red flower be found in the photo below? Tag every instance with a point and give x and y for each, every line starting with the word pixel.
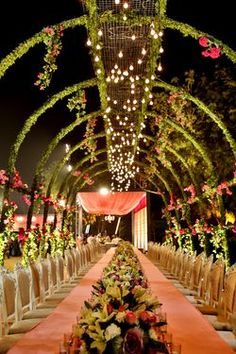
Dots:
pixel 215 52
pixel 203 41
pixel 109 309
pixel 21 234
pixel 121 308
pixel 144 316
pixel 131 317
pixel 133 341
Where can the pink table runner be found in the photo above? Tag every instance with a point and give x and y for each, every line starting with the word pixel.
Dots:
pixel 185 322
pixel 46 336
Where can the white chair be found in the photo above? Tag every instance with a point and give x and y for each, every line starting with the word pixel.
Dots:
pixel 11 315
pixel 215 286
pixel 227 304
pixel 25 295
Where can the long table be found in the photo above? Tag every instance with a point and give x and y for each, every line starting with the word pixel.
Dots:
pixel 185 322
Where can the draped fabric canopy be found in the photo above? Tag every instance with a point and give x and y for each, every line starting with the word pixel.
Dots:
pixel 120 203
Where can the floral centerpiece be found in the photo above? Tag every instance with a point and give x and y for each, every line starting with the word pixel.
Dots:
pixel 122 315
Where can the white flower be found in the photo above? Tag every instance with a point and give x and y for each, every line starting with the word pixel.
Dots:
pixel 112 331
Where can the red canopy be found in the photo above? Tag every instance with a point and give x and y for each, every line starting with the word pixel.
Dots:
pixel 120 203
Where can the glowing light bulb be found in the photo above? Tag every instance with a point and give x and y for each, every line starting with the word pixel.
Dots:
pixel 144 51
pixel 125 5
pixel 100 33
pixel 120 54
pixel 89 43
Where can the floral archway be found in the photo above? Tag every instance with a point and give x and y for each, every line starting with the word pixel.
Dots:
pixel 144 133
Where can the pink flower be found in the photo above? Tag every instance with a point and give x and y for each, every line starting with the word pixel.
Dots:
pixel 76 173
pixel 215 52
pixel 3 177
pixel 26 199
pixel 205 187
pixel 206 53
pixel 17 181
pixel 49 30
pixel 203 41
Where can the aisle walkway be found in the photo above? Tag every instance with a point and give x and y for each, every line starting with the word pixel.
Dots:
pixel 185 322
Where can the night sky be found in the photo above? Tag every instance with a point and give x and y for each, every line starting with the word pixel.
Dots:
pixel 19 97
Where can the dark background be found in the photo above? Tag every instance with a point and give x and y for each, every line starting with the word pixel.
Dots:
pixel 19 97
pixel 19 20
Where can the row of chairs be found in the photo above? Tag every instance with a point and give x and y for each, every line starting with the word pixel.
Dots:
pixel 28 295
pixel 207 284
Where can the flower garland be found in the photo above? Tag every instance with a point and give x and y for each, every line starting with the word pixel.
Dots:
pixel 53 44
pixel 9 209
pixel 56 243
pixel 90 144
pixel 3 177
pixel 213 50
pixel 192 191
pixel 44 241
pixel 3 242
pixel 78 102
pixel 29 246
